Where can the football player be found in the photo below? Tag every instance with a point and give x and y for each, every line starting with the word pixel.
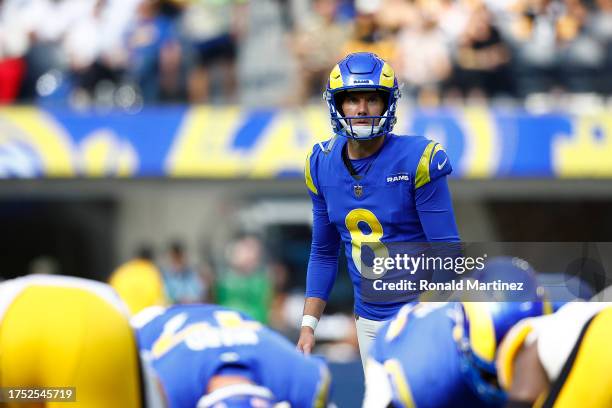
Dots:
pixel 562 360
pixel 207 355
pixel 369 185
pixel 59 331
pixel 443 354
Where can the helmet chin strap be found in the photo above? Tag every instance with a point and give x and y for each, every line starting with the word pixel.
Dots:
pixel 360 132
pixel 363 131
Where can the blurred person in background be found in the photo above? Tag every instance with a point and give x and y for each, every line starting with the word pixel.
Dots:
pixel 24 26
pixel 317 44
pixel 533 34
pixel 423 62
pixel 139 282
pixel 453 16
pixel 483 58
pixel 49 22
pixel 61 331
pixel 600 26
pixel 245 282
pixel 276 316
pixel 213 30
pixel 68 46
pixel 13 46
pixel 183 282
pixel 97 53
pixel 368 35
pixel 155 53
pixel 581 56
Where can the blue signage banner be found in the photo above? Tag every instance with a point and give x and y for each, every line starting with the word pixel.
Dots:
pixel 230 142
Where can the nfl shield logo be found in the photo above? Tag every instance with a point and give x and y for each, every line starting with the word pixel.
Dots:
pixel 358 190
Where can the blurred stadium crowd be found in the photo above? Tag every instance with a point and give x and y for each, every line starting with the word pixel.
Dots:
pixel 245 278
pixel 127 53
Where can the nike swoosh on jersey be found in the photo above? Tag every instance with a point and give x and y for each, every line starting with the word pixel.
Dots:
pixel 440 165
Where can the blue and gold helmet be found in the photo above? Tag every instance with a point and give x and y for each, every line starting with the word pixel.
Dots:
pixel 483 324
pixel 362 71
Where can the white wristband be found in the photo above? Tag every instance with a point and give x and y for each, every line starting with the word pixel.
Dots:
pixel 310 321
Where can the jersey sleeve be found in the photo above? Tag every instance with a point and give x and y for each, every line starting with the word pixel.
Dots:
pixel 432 195
pixel 432 165
pixel 325 246
pixel 435 208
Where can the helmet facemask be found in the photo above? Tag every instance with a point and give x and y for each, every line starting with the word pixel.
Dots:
pixel 345 125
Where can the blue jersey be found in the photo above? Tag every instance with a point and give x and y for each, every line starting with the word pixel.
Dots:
pixel 401 196
pixel 189 344
pixel 422 360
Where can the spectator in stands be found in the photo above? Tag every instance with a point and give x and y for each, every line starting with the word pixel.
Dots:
pixel 600 22
pixel 580 55
pixel 186 50
pixel 368 35
pixel 22 26
pixel 316 46
pixel 183 283
pixel 94 54
pixel 213 30
pixel 483 58
pixel 424 60
pixel 600 25
pixel 13 46
pixel 533 33
pixel 276 316
pixel 155 53
pixel 245 282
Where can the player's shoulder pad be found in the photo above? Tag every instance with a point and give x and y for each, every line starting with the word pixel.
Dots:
pixel 308 170
pixel 320 149
pixel 398 323
pixel 433 164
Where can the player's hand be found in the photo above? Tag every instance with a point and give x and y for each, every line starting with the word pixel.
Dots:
pixel 307 340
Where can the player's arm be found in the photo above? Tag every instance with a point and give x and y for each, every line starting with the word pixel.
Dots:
pixel 432 195
pixel 519 369
pixel 529 380
pixel 322 264
pixel 321 274
pixel 313 309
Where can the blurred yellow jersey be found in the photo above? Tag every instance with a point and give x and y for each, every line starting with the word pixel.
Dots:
pixel 139 284
pixel 58 331
pixel 573 346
